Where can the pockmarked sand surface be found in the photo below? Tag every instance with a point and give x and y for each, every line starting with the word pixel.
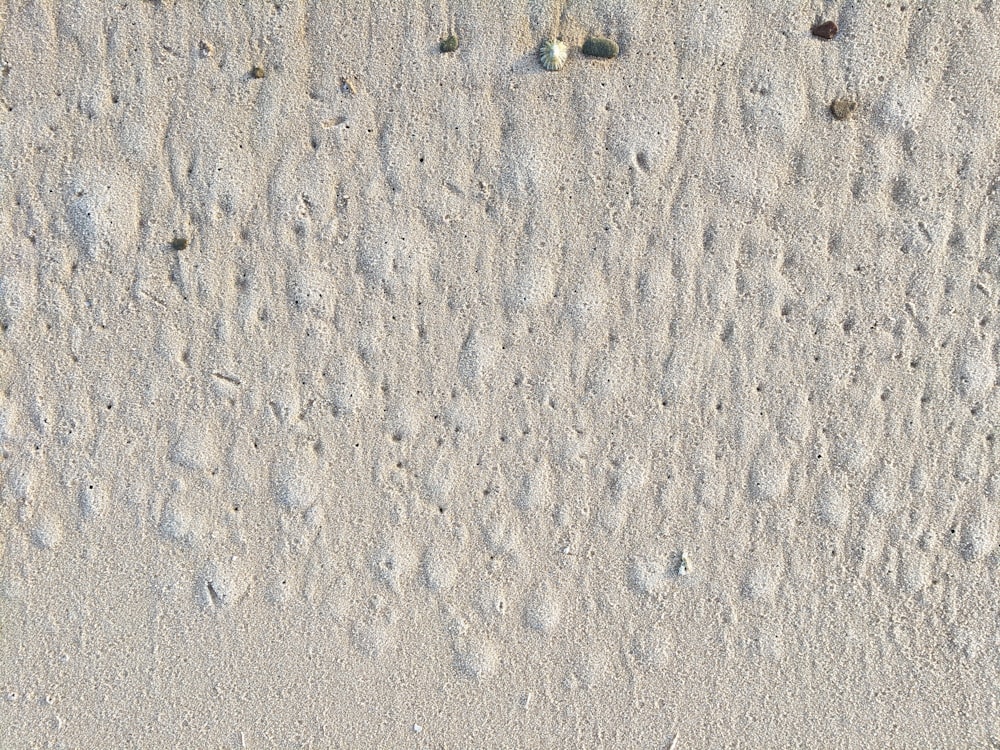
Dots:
pixel 356 394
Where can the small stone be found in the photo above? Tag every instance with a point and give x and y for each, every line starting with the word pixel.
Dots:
pixel 449 43
pixel 685 565
pixel 179 243
pixel 205 48
pixel 843 108
pixel 825 30
pixel 598 46
pixel 257 71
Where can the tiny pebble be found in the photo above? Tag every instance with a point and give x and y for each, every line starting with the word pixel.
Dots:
pixel 179 243
pixel 685 567
pixel 825 30
pixel 257 71
pixel 843 108
pixel 449 43
pixel 598 46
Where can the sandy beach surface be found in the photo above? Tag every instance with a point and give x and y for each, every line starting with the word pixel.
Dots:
pixel 356 394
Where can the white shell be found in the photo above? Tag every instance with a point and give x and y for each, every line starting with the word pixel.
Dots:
pixel 552 54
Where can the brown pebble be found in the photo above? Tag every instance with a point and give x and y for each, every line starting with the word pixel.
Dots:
pixel 825 30
pixel 257 71
pixel 843 108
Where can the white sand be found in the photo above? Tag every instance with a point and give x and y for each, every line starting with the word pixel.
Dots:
pixel 403 449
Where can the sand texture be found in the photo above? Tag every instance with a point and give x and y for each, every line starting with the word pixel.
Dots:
pixel 354 394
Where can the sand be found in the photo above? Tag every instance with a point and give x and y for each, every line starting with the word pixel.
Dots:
pixel 359 395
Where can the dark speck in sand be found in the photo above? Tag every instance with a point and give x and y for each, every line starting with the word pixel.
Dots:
pixel 825 30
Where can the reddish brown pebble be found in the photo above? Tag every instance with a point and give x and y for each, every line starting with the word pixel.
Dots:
pixel 825 30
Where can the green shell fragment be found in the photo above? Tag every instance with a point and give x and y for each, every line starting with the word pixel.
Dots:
pixel 599 46
pixel 552 54
pixel 449 43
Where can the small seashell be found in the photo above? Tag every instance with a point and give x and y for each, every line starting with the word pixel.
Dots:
pixel 685 565
pixel 449 43
pixel 552 54
pixel 599 46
